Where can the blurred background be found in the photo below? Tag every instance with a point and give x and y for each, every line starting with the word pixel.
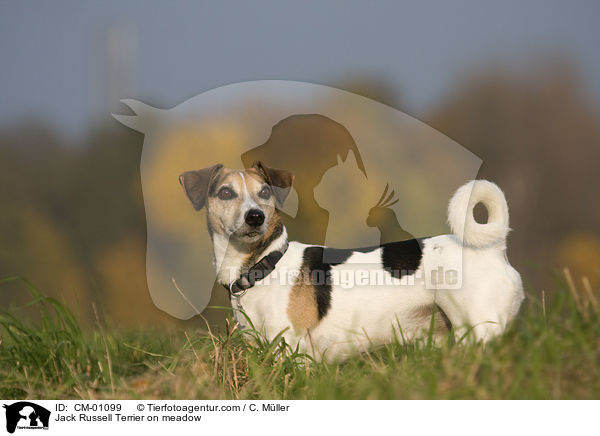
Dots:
pixel 516 83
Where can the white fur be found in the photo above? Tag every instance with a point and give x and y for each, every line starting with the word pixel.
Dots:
pixel 367 312
pixel 463 224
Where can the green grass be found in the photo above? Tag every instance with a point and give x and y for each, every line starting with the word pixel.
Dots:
pixel 551 351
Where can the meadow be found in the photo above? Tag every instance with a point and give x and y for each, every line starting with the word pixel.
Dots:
pixel 551 351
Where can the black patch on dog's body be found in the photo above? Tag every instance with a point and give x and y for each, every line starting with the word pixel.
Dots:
pixel 402 258
pixel 336 256
pixel 398 259
pixel 319 276
pixel 317 261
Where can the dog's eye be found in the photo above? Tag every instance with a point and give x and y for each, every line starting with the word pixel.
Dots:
pixel 226 194
pixel 265 193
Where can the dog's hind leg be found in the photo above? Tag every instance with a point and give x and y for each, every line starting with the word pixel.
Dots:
pixel 482 313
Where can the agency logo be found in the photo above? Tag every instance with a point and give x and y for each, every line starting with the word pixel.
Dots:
pixel 26 415
pixel 365 174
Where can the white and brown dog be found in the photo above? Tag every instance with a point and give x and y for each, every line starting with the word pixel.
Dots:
pixel 299 289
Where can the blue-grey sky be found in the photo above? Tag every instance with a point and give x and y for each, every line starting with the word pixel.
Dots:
pixel 53 54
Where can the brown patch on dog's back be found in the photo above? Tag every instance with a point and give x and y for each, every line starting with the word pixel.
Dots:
pixel 302 307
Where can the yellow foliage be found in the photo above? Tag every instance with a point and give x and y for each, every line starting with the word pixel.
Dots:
pixel 122 273
pixel 51 265
pixel 184 148
pixel 580 252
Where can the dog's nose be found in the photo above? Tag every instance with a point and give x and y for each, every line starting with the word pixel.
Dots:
pixel 255 217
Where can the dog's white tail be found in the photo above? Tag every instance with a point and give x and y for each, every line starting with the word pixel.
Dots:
pixel 462 221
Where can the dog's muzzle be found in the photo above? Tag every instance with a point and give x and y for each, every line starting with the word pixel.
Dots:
pixel 255 218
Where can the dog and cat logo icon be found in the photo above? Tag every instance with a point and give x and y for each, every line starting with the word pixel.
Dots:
pixel 26 415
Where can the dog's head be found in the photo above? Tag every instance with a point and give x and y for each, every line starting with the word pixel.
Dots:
pixel 241 204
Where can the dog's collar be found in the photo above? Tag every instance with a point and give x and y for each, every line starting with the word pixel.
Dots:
pixel 258 271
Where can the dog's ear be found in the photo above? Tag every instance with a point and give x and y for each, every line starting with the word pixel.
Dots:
pixel 196 184
pixel 281 181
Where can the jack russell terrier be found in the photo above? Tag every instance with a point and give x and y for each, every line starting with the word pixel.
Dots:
pixel 300 290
